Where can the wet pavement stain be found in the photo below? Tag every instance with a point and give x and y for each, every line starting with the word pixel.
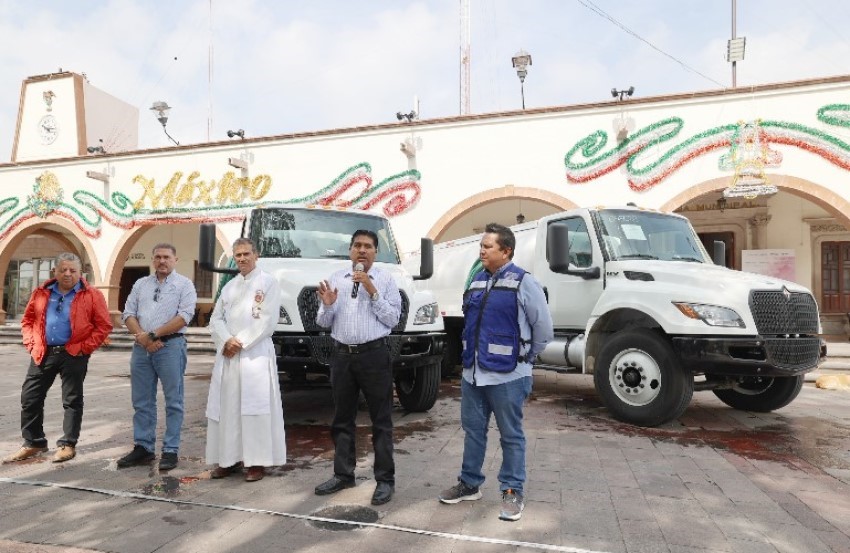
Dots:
pixel 173 520
pixel 349 513
pixel 807 444
pixel 168 486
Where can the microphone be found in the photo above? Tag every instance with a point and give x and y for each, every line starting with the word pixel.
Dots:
pixel 356 288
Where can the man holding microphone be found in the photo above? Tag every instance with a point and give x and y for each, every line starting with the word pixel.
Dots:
pixel 361 305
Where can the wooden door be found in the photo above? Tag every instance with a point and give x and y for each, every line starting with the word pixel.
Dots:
pixel 835 277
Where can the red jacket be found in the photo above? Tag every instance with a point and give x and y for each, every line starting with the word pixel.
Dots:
pixel 90 324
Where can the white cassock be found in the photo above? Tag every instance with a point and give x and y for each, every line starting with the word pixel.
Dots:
pixel 244 409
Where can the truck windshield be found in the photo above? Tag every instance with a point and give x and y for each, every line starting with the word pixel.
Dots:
pixel 646 235
pixel 316 234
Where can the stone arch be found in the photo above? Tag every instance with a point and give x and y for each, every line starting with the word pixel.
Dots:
pixel 118 260
pixel 815 193
pixel 33 225
pixel 493 195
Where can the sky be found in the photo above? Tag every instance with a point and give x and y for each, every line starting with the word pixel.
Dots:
pixel 287 66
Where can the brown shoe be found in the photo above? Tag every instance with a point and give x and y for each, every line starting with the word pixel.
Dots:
pixel 254 474
pixel 24 453
pixel 224 472
pixel 64 453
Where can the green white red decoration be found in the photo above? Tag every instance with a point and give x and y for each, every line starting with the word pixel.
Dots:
pixel 748 146
pixel 352 189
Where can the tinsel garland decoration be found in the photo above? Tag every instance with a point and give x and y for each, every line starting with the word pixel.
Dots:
pixel 353 188
pixel 46 196
pixel 630 151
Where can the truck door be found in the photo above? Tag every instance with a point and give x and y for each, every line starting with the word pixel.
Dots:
pixel 572 298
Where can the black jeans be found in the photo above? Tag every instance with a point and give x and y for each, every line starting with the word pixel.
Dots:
pixel 72 370
pixel 371 372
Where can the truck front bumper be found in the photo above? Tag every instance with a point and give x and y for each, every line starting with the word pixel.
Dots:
pixel 749 356
pixel 311 353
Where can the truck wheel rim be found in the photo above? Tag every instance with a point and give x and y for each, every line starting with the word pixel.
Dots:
pixel 635 377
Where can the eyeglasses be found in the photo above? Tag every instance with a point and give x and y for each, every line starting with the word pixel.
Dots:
pixel 59 304
pixel 156 294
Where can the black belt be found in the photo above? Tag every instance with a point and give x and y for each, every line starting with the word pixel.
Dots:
pixel 55 350
pixel 168 337
pixel 360 348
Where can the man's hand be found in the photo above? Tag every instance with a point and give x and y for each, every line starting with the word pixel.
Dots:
pixel 154 345
pixel 143 339
pixel 363 278
pixel 326 293
pixel 231 347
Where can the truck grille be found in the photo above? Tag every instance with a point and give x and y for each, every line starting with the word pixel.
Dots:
pixel 324 346
pixel 776 315
pixel 308 308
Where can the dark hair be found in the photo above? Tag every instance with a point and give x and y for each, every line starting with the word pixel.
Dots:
pixel 165 246
pixel 245 242
pixel 363 232
pixel 504 237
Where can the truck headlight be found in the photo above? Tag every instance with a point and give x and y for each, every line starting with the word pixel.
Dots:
pixel 712 315
pixel 426 314
pixel 283 318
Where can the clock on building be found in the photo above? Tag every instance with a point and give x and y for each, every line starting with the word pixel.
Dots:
pixel 48 130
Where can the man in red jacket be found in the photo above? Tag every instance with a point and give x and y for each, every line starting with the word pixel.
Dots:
pixel 64 322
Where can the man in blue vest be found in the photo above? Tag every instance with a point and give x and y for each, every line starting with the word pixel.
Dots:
pixel 507 323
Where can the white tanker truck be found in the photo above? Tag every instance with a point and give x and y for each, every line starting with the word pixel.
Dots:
pixel 637 301
pixel 302 245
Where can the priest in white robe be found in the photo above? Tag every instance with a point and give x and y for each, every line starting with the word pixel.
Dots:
pixel 244 409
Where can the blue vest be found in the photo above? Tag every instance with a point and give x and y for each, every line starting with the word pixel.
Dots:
pixel 491 321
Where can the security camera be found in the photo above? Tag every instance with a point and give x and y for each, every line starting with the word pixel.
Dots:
pixel 399 115
pixel 240 133
pixel 91 149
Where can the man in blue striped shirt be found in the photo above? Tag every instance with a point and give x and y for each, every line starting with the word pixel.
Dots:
pixel 361 305
pixel 156 313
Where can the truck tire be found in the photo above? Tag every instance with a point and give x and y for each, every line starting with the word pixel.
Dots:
pixel 639 379
pixel 417 389
pixel 762 394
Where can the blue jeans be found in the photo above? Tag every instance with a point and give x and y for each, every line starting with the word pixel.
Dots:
pixel 505 402
pixel 167 365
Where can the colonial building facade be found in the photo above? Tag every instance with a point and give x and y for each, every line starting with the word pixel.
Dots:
pixel 764 169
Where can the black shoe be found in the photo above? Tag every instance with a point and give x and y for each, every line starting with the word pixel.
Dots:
pixel 138 456
pixel 334 485
pixel 168 460
pixel 383 493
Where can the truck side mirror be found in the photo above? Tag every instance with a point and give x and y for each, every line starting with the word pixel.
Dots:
pixel 206 251
pixel 558 250
pixel 426 260
pixel 719 257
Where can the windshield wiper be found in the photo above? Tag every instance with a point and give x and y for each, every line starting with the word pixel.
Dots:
pixel 637 256
pixel 686 258
pixel 335 255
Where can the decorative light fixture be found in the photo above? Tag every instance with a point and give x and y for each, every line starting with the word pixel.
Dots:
pixel 97 149
pixel 161 110
pixel 408 117
pixel 721 203
pixel 520 218
pixel 521 61
pixel 625 93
